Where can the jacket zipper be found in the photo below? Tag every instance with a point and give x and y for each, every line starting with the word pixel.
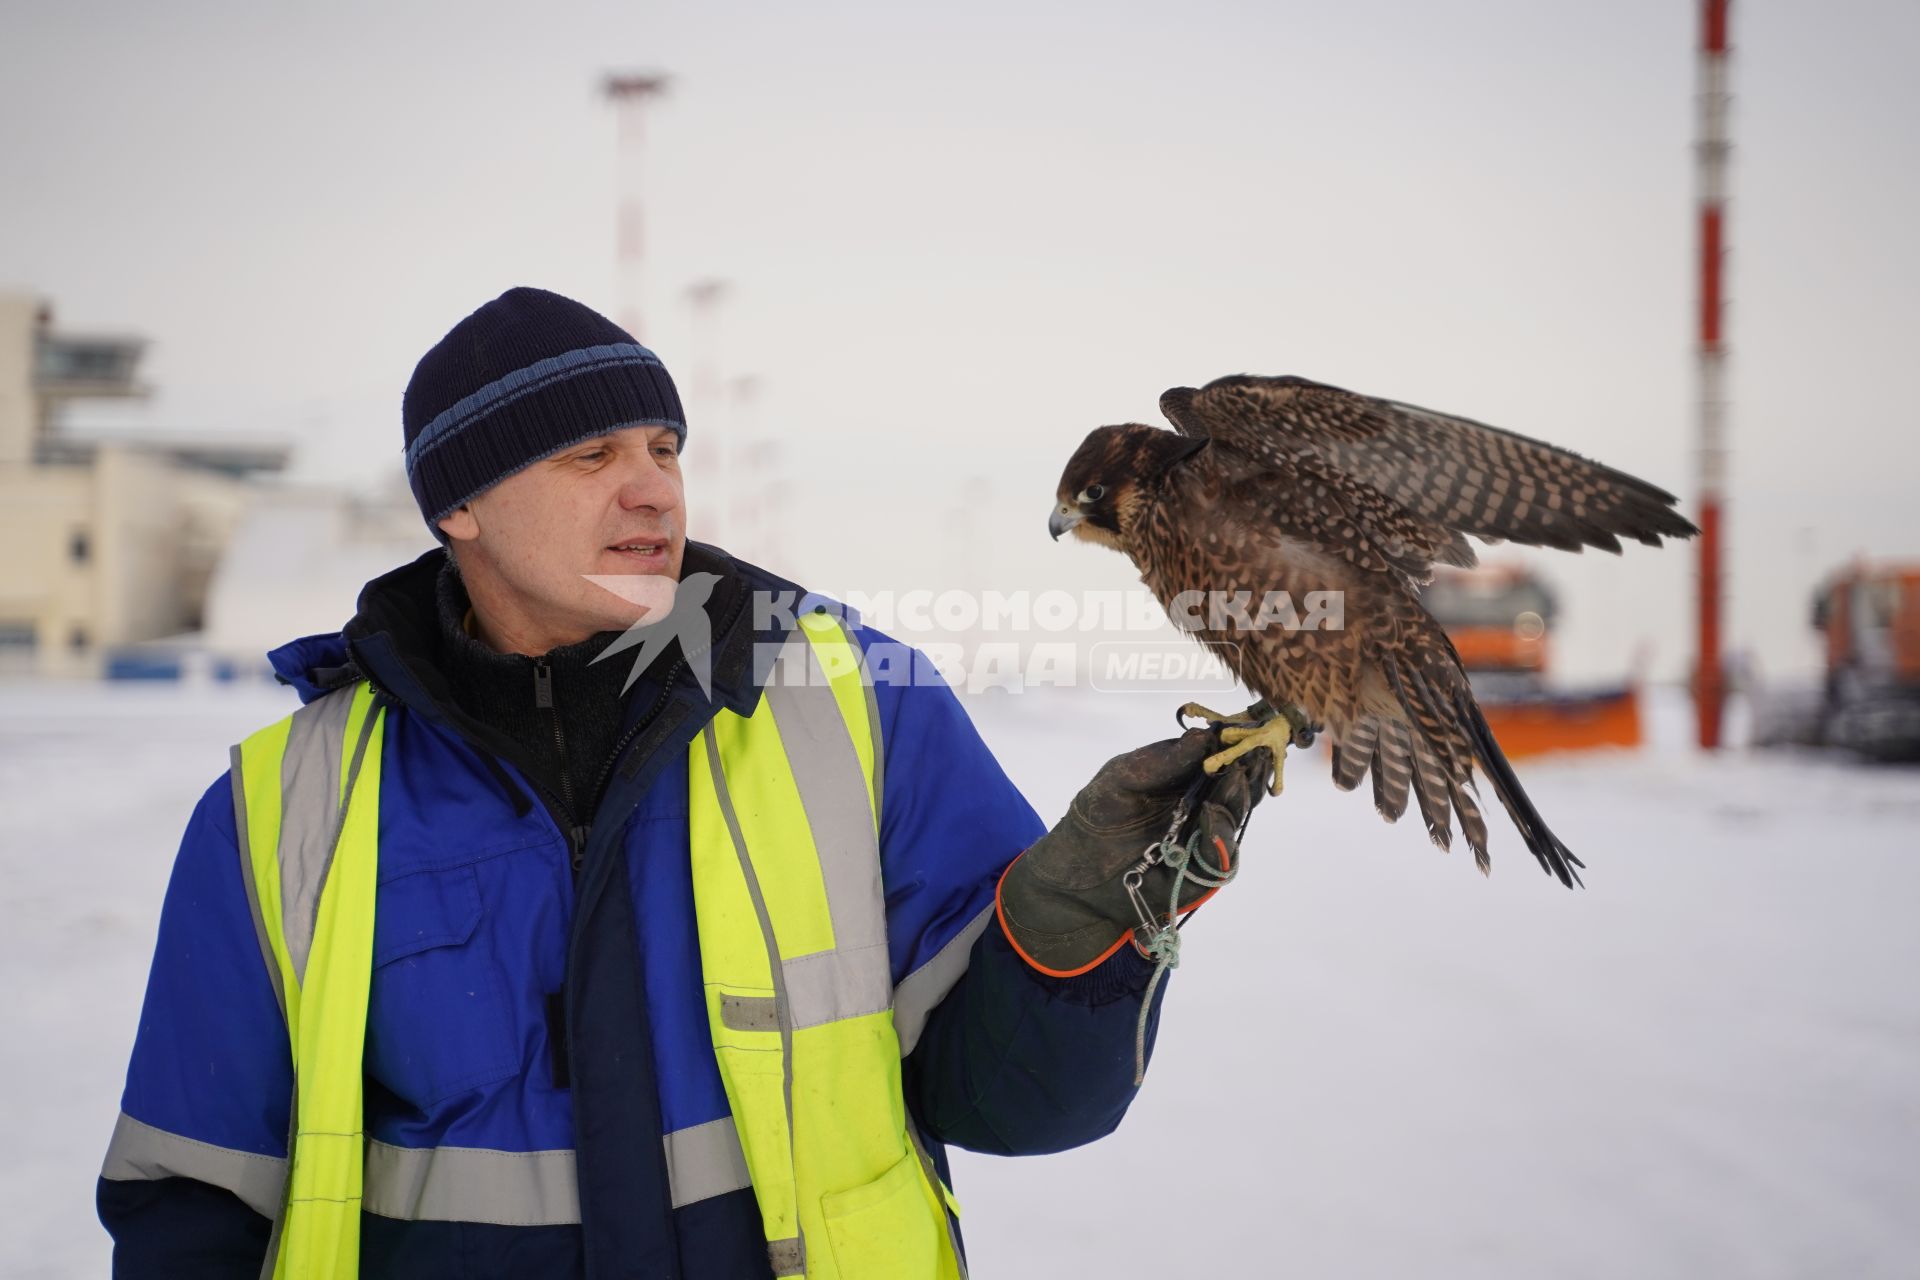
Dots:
pixel 577 831
pixel 559 807
pixel 653 712
pixel 639 726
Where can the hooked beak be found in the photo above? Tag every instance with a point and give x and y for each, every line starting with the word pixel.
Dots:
pixel 1064 517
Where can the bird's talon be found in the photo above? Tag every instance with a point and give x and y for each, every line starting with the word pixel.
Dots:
pixel 1198 712
pixel 1256 714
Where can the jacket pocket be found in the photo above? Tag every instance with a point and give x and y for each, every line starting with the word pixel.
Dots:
pixel 437 1015
pixel 885 1230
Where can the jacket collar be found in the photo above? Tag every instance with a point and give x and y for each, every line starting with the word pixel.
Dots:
pixel 394 638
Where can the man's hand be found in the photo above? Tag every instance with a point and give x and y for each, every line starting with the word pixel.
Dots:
pixel 1064 903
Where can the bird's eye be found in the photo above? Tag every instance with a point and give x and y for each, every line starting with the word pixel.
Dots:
pixel 1092 493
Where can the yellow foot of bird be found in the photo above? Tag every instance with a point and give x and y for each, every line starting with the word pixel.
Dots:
pixel 1276 735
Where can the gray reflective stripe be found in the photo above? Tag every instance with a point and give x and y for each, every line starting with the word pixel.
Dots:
pixel 705 1160
pixel 873 718
pixel 856 977
pixel 927 986
pixel 309 794
pixel 311 813
pixel 471 1184
pixel 824 987
pixel 141 1153
pixel 789 1256
pixel 238 777
pixel 873 734
pixel 830 985
pixel 833 791
pixel 534 1188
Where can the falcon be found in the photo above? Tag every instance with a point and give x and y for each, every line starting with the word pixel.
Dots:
pixel 1280 484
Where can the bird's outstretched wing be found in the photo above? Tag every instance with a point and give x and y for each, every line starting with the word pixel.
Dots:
pixel 1459 474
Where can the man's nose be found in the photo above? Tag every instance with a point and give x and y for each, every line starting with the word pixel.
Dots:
pixel 647 484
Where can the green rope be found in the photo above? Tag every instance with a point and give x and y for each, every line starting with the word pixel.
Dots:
pixel 1163 943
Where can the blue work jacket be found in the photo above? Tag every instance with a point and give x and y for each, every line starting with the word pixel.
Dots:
pixel 520 1004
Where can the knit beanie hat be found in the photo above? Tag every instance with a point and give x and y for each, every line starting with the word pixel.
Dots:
pixel 525 376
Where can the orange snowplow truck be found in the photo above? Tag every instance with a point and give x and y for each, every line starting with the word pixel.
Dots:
pixel 1870 616
pixel 1499 619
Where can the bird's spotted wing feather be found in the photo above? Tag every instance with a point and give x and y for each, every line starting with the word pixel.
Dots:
pixel 1345 516
pixel 1445 470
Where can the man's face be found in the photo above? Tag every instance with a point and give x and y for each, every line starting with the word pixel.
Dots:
pixel 609 505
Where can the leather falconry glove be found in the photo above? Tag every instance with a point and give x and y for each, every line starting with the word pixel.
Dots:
pixel 1065 903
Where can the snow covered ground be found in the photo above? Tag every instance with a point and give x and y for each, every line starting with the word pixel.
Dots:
pixel 1373 1062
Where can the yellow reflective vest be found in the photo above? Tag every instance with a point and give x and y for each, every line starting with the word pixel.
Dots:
pixel 784 838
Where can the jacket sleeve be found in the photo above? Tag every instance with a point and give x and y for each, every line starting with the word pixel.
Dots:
pixel 197 1160
pixel 1000 1057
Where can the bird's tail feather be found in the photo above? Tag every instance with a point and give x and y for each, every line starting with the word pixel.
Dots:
pixel 1392 770
pixel 1432 792
pixel 1355 752
pixel 1472 825
pixel 1555 858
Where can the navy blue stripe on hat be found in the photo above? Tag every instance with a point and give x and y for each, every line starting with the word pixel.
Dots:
pixel 527 381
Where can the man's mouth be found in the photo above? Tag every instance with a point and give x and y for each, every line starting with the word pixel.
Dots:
pixel 643 550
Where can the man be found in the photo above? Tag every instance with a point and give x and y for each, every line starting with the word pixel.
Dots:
pixel 693 978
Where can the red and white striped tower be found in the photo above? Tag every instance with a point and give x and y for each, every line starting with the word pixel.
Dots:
pixel 1709 679
pixel 629 95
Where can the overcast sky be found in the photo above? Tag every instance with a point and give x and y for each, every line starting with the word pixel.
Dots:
pixel 959 237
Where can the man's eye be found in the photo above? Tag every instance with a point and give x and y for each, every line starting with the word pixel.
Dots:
pixel 666 451
pixel 592 455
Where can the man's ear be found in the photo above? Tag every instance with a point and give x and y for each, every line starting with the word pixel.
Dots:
pixel 459 524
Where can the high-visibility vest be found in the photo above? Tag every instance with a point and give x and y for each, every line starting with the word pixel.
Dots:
pixel 784 836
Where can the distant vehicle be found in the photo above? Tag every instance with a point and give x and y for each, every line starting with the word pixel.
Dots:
pixel 1870 616
pixel 1500 619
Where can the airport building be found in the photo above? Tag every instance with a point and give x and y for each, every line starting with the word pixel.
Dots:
pixel 111 539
